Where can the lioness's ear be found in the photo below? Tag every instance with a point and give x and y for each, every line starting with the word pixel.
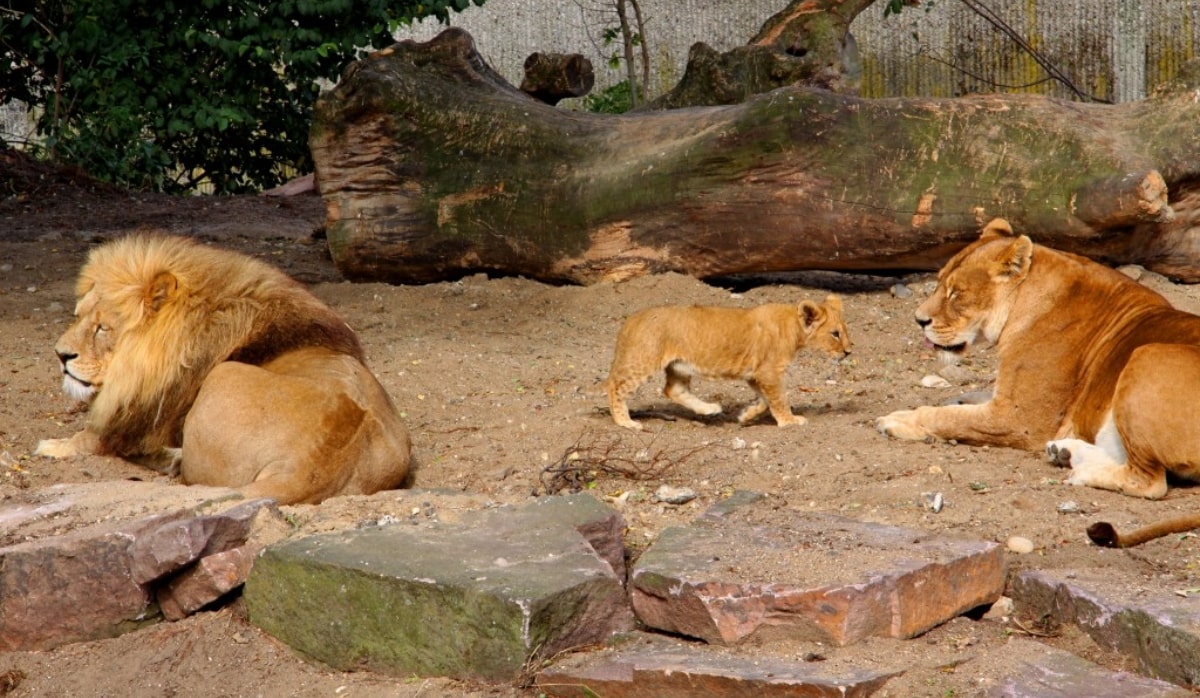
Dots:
pixel 997 227
pixel 833 302
pixel 810 314
pixel 160 290
pixel 1014 261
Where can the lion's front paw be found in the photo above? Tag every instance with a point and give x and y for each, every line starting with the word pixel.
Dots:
pixel 84 443
pixel 901 424
pixel 55 448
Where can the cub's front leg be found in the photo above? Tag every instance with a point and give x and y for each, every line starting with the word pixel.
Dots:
pixel 984 423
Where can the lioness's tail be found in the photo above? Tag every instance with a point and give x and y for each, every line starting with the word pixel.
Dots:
pixel 1103 533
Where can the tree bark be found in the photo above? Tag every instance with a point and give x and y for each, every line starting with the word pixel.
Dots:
pixel 432 167
pixel 550 77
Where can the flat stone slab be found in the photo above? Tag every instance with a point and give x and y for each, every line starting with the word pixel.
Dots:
pixel 1158 628
pixel 1040 671
pixel 656 668
pixel 747 570
pixel 478 599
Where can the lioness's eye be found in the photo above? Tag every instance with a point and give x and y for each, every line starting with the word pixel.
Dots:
pixel 837 335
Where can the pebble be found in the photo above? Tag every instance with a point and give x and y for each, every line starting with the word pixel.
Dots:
pixel 1068 507
pixel 674 495
pixel 935 381
pixel 1019 545
pixel 901 291
pixel 933 501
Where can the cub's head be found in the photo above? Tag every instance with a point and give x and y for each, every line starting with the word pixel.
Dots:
pixel 824 327
pixel 975 290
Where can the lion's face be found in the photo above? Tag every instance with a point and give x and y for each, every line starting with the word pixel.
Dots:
pixel 86 348
pixel 974 293
pixel 825 327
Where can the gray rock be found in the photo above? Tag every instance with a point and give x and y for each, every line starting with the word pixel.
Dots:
pixel 477 600
pixel 1159 631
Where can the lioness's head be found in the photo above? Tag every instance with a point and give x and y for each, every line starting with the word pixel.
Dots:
pixel 824 327
pixel 974 289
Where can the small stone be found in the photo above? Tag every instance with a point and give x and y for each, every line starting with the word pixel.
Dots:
pixel 1068 507
pixel 738 444
pixel 934 381
pixel 1019 545
pixel 901 291
pixel 674 495
pixel 1000 610
pixel 933 501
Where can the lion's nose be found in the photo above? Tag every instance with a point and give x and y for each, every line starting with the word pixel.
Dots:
pixel 65 356
pixel 924 321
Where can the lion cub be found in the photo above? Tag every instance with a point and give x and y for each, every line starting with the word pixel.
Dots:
pixel 754 344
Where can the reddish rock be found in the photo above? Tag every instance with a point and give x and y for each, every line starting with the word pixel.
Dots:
pixel 73 587
pixel 750 571
pixel 208 580
pixel 176 544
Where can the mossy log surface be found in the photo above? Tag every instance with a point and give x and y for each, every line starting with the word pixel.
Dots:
pixel 433 167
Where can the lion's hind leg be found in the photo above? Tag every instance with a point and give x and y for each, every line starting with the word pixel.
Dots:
pixel 679 389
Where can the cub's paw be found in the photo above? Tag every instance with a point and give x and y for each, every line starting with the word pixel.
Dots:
pixel 629 424
pixel 901 424
pixel 55 448
pixel 794 421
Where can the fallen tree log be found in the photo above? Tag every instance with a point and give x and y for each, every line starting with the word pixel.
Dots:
pixel 433 167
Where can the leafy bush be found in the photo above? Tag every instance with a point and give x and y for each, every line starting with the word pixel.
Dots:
pixel 172 94
pixel 615 99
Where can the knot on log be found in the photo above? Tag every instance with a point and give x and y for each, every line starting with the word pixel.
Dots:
pixel 1116 202
pixel 550 77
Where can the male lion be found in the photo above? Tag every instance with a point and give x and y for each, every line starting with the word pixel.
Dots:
pixel 1097 365
pixel 754 344
pixel 210 365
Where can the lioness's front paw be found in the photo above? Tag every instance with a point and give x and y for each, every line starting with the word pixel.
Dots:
pixel 55 448
pixel 901 424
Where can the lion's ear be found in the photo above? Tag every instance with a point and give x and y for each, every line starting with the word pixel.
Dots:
pixel 810 314
pixel 160 290
pixel 833 302
pixel 1014 261
pixel 996 228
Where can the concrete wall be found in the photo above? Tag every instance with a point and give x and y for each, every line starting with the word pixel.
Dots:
pixel 1112 49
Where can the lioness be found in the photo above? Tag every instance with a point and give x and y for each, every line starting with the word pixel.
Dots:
pixel 1094 368
pixel 216 367
pixel 754 344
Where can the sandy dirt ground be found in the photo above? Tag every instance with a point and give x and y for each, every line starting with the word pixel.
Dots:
pixel 499 379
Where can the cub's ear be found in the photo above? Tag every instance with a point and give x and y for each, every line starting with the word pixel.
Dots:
pixel 1014 260
pixel 996 228
pixel 833 302
pixel 161 289
pixel 810 314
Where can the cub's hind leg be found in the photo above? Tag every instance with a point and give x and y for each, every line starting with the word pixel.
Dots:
pixel 679 389
pixel 622 384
